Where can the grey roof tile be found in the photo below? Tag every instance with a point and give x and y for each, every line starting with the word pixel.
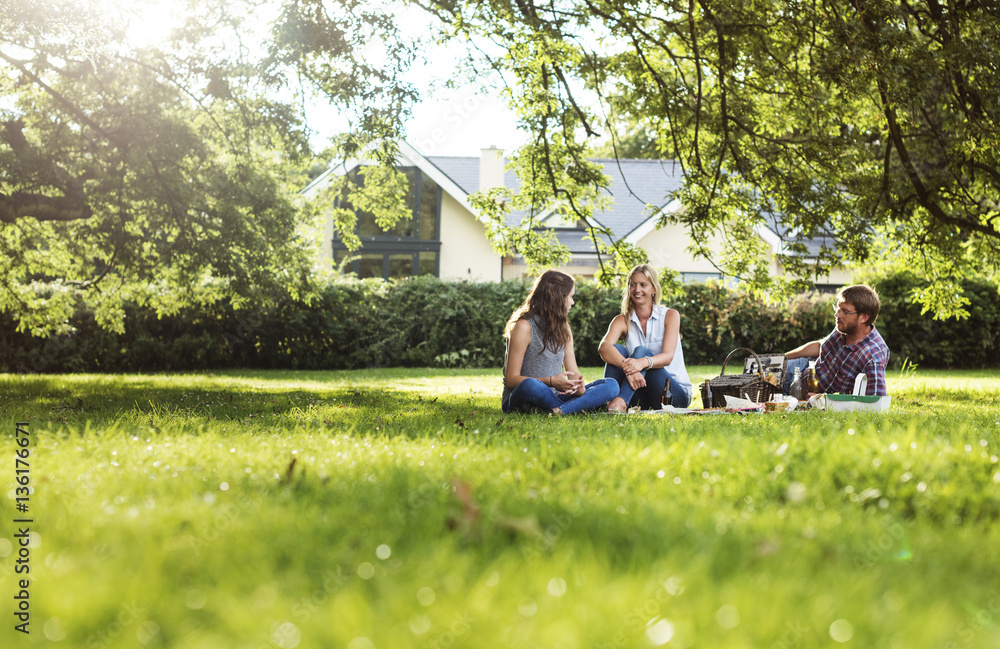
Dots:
pixel 632 184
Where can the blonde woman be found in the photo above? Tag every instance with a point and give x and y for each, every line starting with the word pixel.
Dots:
pixel 539 370
pixel 652 358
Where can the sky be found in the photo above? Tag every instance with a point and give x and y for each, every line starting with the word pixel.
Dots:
pixel 449 122
pixel 461 122
pixel 454 121
pixel 457 121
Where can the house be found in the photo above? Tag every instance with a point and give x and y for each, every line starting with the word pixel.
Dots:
pixel 447 239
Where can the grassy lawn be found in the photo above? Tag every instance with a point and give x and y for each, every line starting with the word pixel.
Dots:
pixel 401 508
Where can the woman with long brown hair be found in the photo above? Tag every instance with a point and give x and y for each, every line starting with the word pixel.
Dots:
pixel 539 370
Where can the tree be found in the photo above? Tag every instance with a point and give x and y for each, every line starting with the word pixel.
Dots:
pixel 165 173
pixel 134 174
pixel 871 122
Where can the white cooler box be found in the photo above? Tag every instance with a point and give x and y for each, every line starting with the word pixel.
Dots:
pixel 844 402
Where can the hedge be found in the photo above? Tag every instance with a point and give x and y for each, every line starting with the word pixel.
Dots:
pixel 423 322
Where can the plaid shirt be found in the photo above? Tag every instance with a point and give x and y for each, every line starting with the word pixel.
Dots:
pixel 839 364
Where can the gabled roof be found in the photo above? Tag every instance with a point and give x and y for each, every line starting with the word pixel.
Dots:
pixel 408 156
pixel 784 234
pixel 631 183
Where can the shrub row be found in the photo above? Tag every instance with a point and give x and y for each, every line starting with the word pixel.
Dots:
pixel 426 322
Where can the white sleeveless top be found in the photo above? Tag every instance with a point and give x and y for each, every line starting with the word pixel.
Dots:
pixel 653 340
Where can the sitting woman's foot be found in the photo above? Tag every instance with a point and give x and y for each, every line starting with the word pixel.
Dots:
pixel 617 405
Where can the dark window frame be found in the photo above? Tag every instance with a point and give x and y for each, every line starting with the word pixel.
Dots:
pixel 394 245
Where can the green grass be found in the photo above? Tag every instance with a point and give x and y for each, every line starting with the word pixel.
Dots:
pixel 401 508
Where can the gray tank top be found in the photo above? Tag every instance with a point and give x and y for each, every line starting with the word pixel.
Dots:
pixel 538 360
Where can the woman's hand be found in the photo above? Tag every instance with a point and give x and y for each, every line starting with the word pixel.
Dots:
pixel 633 368
pixel 636 380
pixel 569 383
pixel 634 365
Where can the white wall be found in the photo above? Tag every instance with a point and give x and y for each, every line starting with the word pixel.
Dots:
pixel 837 277
pixel 466 253
pixel 326 247
pixel 666 249
pixel 514 271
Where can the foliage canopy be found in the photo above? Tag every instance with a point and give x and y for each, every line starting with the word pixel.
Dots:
pixel 134 173
pixel 166 174
pixel 869 125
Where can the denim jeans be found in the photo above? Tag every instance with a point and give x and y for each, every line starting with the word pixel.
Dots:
pixel 532 394
pixel 647 398
pixel 790 365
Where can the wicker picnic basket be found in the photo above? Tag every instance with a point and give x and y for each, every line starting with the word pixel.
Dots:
pixel 751 385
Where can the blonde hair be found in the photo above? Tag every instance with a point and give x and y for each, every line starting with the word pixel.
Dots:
pixel 654 279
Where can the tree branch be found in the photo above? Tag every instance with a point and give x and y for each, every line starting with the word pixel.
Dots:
pixel 71 206
pixel 44 208
pixel 72 108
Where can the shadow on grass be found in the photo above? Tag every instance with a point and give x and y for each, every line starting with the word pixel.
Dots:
pixel 193 402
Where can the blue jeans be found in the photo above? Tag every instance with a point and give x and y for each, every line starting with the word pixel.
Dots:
pixel 790 365
pixel 647 398
pixel 532 394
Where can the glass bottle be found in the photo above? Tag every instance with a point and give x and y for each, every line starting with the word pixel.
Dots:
pixel 796 388
pixel 812 378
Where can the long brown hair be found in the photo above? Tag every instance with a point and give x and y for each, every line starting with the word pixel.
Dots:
pixel 547 301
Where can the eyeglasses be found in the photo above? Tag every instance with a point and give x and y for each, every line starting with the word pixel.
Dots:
pixel 842 311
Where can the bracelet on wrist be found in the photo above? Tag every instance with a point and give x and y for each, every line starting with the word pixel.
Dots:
pixel 650 358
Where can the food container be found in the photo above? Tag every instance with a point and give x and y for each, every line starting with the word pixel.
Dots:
pixel 849 402
pixel 785 403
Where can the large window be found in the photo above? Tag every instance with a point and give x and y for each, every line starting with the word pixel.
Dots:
pixel 411 247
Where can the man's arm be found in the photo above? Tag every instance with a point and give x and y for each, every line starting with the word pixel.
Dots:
pixel 809 350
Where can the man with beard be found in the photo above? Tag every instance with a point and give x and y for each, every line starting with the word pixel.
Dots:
pixel 854 347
